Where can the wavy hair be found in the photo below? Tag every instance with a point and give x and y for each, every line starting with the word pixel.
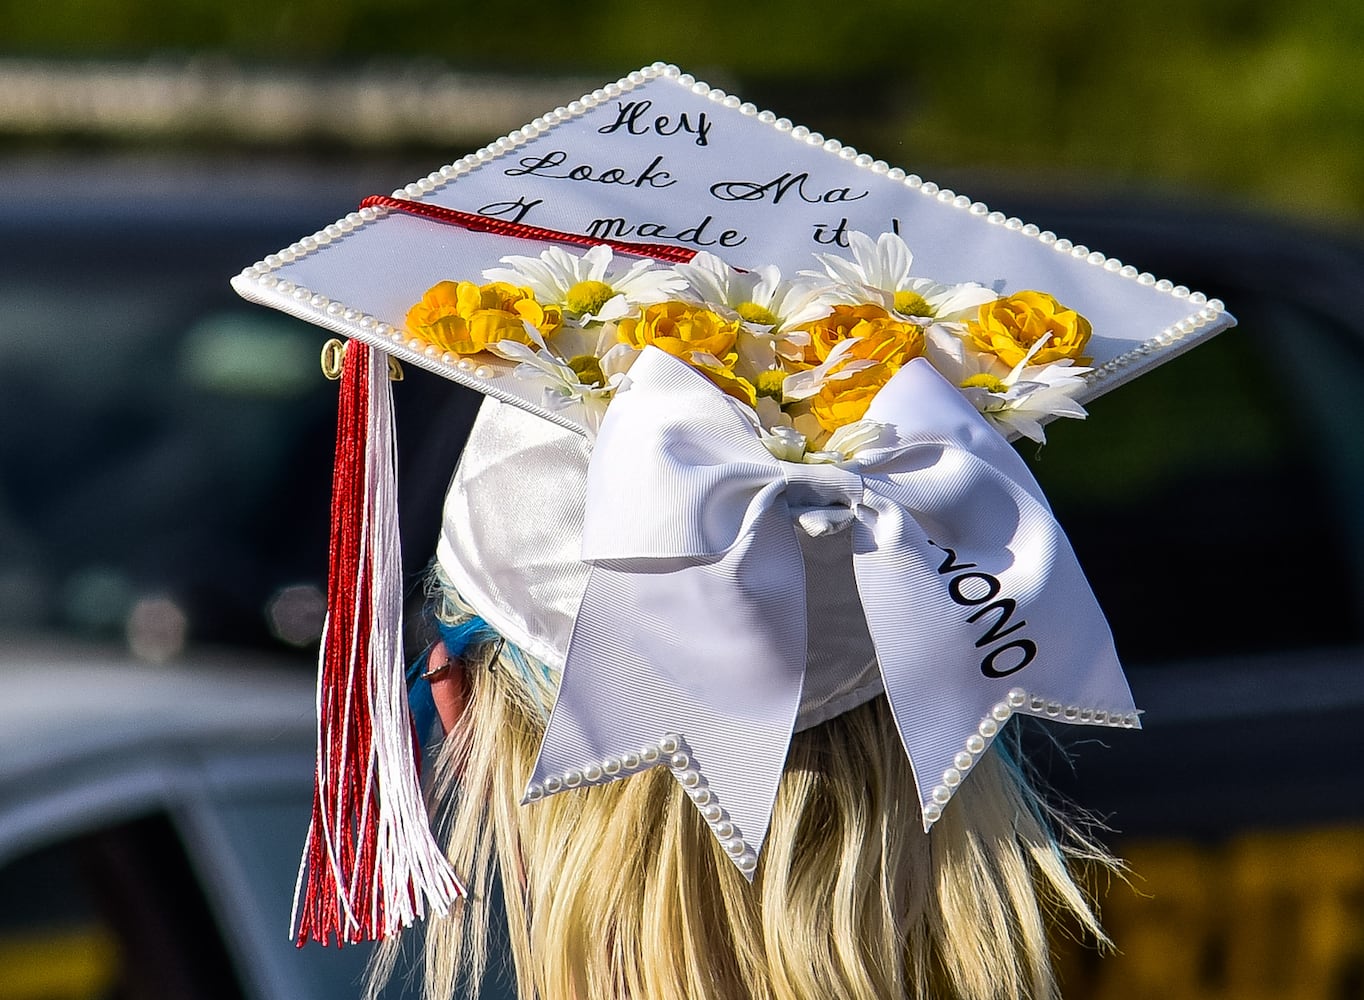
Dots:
pixel 620 891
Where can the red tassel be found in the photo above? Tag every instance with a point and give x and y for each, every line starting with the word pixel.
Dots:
pixel 338 792
pixel 371 865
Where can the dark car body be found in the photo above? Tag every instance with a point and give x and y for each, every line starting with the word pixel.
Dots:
pixel 149 822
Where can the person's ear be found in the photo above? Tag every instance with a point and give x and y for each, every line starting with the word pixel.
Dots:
pixel 449 686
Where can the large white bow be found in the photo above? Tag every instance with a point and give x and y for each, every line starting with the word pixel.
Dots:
pixel 690 643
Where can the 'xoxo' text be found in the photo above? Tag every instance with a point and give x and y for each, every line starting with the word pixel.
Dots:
pixel 972 587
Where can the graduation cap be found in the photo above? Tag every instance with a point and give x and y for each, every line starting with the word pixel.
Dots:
pixel 742 464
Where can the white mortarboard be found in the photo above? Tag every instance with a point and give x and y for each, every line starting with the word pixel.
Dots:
pixel 710 570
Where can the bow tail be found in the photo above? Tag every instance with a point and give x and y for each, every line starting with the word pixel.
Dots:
pixel 665 691
pixel 967 635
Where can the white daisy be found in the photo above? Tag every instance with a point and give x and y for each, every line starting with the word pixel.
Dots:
pixel 849 441
pixel 769 307
pixel 760 297
pixel 879 271
pixel 1024 396
pixel 563 386
pixel 785 443
pixel 589 287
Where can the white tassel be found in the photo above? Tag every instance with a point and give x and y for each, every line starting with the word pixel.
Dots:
pixel 411 870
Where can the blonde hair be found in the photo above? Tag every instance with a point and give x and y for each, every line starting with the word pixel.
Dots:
pixel 620 892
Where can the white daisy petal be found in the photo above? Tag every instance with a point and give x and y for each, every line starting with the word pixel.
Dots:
pixel 894 258
pixel 951 302
pixel 575 340
pixel 617 307
pixel 708 278
pixel 1018 421
pixel 595 261
pixel 844 272
pixel 804 384
pixel 786 443
pixel 764 286
pixel 617 361
pixel 858 436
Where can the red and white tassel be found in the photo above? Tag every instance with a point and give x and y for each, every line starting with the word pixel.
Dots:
pixel 371 866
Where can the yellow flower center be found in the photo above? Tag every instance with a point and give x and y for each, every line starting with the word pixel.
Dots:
pixel 912 304
pixel 751 312
pixel 588 296
pixel 769 383
pixel 985 381
pixel 588 369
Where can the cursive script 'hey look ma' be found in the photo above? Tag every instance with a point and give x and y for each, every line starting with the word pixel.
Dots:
pixel 550 164
pixel 633 118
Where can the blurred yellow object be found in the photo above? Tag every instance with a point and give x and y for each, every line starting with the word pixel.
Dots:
pixel 1267 916
pixel 80 963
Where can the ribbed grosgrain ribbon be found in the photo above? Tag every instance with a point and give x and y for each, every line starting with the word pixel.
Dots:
pixel 694 617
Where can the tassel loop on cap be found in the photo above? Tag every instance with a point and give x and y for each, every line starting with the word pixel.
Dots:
pixel 371 865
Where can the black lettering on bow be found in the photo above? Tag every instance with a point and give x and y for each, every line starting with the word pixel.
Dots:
pixel 954 588
pixel 1006 606
pixel 1027 650
pixel 950 564
pixel 957 589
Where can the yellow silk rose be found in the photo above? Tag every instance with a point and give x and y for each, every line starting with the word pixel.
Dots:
pixel 896 340
pixel 840 401
pixel 1008 327
pixel 680 329
pixel 891 343
pixel 729 383
pixel 465 318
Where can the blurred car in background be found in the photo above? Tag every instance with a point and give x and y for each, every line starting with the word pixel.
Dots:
pixel 165 457
pixel 166 448
pixel 164 467
pixel 150 819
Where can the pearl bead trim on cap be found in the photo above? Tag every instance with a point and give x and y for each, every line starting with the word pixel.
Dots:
pixel 671 751
pixel 1111 373
pixel 1018 700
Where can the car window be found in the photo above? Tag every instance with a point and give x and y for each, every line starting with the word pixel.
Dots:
pixel 165 456
pixel 114 912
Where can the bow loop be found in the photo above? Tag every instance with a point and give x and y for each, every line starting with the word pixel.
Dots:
pixel 668 491
pixel 692 632
pixel 823 499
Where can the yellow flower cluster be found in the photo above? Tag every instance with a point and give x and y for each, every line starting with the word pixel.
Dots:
pixel 877 337
pixel 464 318
pixel 839 359
pixel 1008 327
pixel 681 329
pixel 686 331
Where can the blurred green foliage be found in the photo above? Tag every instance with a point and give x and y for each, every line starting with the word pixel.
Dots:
pixel 1243 100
